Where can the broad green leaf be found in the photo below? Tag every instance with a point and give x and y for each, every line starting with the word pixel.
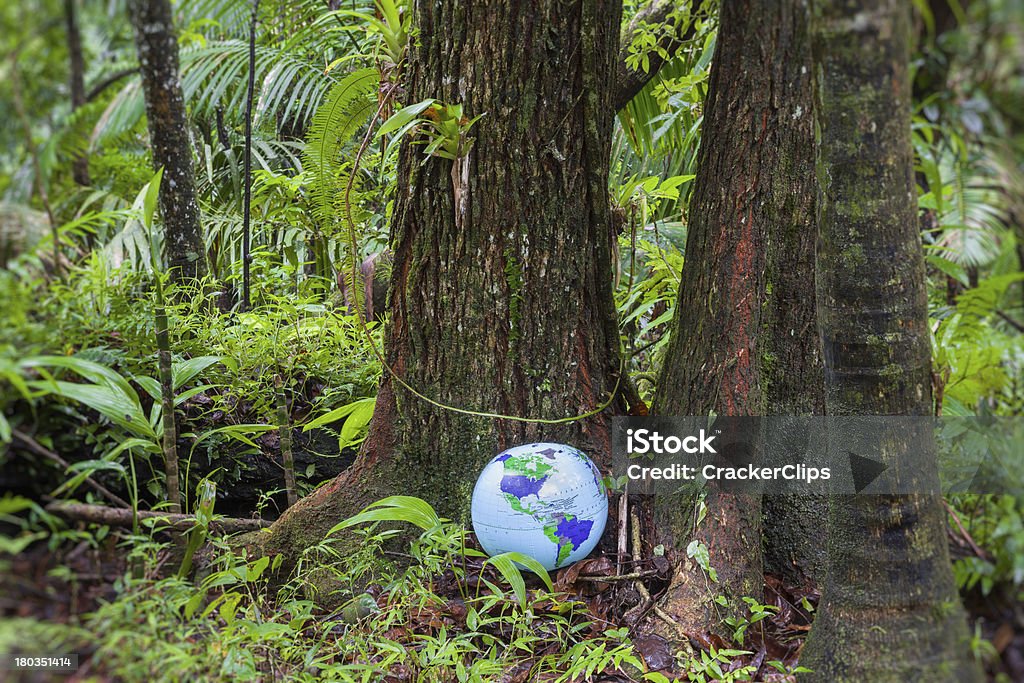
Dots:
pixel 15 546
pixel 194 603
pixel 329 417
pixel 183 372
pixel 194 391
pixel 256 569
pixel 152 191
pixel 236 432
pixel 121 409
pixel 94 372
pixel 403 116
pixel 394 509
pixel 134 443
pixel 506 564
pixel 86 468
pixel 150 386
pixel 355 426
pixel 11 504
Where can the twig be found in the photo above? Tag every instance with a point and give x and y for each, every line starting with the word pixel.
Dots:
pixel 1013 323
pixel 99 514
pixel 40 450
pixel 102 85
pixel 623 526
pixel 621 577
pixel 640 587
pixel 967 537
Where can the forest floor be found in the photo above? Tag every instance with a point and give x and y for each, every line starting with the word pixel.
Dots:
pixel 66 586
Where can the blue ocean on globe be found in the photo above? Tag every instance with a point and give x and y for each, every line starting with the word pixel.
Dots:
pixel 545 500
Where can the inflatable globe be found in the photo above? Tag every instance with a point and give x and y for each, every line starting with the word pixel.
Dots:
pixel 545 500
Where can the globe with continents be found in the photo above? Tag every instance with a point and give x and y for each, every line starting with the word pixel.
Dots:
pixel 545 500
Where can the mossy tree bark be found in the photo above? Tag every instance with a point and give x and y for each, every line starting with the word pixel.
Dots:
pixel 502 301
pixel 790 358
pixel 890 609
pixel 157 49
pixel 743 340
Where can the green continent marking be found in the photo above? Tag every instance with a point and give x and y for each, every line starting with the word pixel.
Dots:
pixel 533 466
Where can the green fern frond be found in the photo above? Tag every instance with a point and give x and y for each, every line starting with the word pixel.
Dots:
pixel 978 304
pixel 347 108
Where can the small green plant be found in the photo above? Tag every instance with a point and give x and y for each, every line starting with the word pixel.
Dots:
pixel 392 28
pixel 446 128
pixel 440 534
pixel 113 396
pixel 716 665
pixel 206 496
pixel 699 553
pixel 740 623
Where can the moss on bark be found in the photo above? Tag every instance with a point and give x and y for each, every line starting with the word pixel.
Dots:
pixel 507 307
pixel 157 48
pixel 890 609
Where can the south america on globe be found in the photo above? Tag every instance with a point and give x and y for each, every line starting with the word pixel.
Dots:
pixel 545 500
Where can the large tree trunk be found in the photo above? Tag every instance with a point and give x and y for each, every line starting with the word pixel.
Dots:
pixel 890 609
pixel 744 318
pixel 501 303
pixel 791 366
pixel 76 79
pixel 157 48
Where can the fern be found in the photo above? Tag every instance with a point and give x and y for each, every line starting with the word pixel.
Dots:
pixel 348 107
pixel 976 305
pixel 970 349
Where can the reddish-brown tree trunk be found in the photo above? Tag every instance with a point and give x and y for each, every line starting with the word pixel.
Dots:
pixel 743 339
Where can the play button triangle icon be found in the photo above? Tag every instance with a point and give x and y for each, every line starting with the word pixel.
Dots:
pixel 865 470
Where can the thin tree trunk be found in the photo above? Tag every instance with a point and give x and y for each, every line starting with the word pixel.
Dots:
pixel 76 63
pixel 170 428
pixel 247 201
pixel 506 307
pixel 37 167
pixel 284 430
pixel 890 609
pixel 744 318
pixel 157 49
